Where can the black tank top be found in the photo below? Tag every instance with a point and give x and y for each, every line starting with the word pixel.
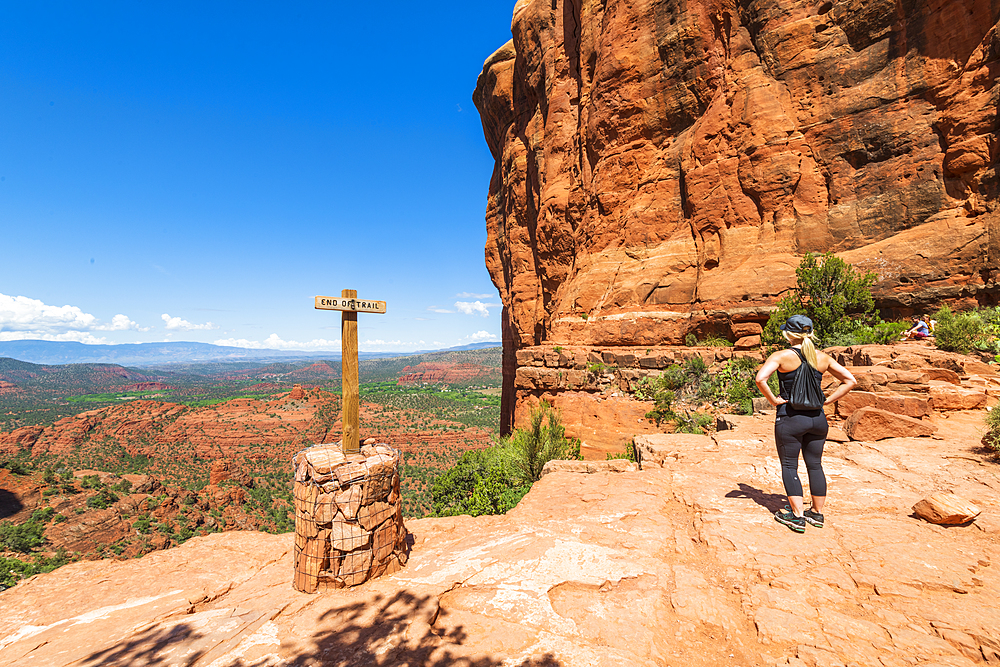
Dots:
pixel 785 382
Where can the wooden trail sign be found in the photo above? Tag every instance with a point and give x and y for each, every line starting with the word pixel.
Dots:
pixel 350 305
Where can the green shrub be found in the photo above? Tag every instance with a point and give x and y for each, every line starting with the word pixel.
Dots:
pixel 13 570
pixel 103 500
pixel 91 482
pixel 735 384
pixel 691 340
pixel 958 332
pixel 692 422
pixel 493 481
pixel 695 367
pixel 628 454
pixel 674 378
pixel 853 332
pixel 42 515
pixel 16 467
pixel 716 341
pixel 22 538
pixel 829 291
pixel 664 406
pixel 495 494
pixel 123 486
pixel 141 525
pixel 644 389
pixel 483 474
pixel 992 438
pixel 543 441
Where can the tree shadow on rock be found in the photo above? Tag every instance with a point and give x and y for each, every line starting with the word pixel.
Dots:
pixel 387 631
pixel 9 504
pixel 397 630
pixel 770 501
pixel 149 648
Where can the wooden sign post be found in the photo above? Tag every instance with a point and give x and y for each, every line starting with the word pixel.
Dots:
pixel 350 305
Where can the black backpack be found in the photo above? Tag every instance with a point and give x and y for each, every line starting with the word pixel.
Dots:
pixel 807 394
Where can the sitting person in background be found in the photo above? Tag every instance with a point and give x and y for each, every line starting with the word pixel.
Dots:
pixel 919 330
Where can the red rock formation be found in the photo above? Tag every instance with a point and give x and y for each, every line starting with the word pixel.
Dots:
pixel 147 386
pixel 661 166
pixel 593 388
pixel 444 373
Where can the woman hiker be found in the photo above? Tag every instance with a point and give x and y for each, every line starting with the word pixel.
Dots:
pixel 797 429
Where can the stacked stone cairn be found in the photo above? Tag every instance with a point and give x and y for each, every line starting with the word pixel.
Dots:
pixel 348 516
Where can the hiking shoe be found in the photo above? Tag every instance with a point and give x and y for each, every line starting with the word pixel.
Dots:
pixel 795 523
pixel 813 518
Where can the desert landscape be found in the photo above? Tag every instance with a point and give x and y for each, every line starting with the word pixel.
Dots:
pixel 161 472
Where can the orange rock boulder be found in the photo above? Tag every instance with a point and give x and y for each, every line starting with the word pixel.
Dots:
pixel 871 424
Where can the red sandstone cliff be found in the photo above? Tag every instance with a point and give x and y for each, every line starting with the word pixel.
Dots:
pixel 661 165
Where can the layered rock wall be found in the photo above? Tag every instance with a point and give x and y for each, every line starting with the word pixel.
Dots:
pixel 662 165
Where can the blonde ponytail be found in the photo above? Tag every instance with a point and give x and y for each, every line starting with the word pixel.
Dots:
pixel 808 346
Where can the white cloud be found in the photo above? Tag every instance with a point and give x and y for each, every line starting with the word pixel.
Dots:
pixel 24 318
pixel 482 336
pixel 475 307
pixel 470 295
pixel 439 309
pixel 274 342
pixel 123 323
pixel 184 325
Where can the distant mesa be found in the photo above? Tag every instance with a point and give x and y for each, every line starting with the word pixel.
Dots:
pixel 161 354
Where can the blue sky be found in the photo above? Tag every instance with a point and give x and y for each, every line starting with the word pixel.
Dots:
pixel 200 171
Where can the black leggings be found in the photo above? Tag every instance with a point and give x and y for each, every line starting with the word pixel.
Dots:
pixel 807 433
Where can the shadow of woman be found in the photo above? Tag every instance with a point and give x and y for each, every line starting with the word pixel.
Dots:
pixel 771 501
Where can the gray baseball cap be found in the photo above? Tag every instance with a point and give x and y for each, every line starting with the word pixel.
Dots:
pixel 797 324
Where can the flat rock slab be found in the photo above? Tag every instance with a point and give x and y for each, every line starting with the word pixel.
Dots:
pixel 871 424
pixel 590 467
pixel 946 396
pixel 909 406
pixel 654 450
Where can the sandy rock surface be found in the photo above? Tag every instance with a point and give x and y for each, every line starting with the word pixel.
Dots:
pixel 674 565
